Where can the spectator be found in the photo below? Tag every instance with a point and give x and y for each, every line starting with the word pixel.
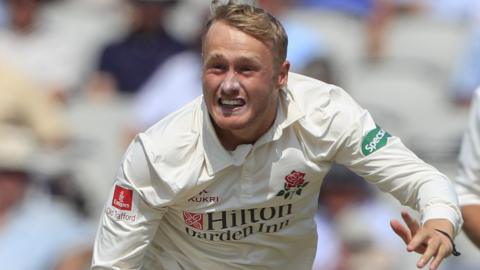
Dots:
pixel 23 104
pixel 126 64
pixel 466 75
pixel 174 83
pixel 375 13
pixel 306 48
pixel 31 222
pixel 38 50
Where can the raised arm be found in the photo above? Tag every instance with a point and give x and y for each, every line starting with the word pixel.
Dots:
pixel 384 161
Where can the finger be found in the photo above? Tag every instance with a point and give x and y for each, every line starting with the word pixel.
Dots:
pixel 411 223
pixel 443 252
pixel 419 242
pixel 401 231
pixel 447 246
pixel 432 250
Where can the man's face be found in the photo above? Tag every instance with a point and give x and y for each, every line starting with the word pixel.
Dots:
pixel 240 83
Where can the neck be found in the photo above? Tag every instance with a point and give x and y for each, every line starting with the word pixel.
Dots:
pixel 230 139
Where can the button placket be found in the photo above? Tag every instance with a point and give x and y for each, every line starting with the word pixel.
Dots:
pixel 247 183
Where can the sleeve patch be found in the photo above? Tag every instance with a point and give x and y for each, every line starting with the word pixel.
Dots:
pixel 374 140
pixel 122 198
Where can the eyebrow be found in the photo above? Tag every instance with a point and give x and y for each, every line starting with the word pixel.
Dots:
pixel 250 60
pixel 215 56
pixel 241 59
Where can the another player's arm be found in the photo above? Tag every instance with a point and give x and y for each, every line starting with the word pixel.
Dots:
pixel 468 179
pixel 471 225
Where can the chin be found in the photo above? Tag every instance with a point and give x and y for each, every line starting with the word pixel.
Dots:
pixel 230 123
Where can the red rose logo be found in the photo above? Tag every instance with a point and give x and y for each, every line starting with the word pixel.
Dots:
pixel 294 184
pixel 294 179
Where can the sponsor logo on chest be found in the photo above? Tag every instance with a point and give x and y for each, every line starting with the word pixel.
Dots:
pixel 237 224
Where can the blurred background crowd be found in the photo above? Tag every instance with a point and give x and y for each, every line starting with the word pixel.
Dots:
pixel 79 78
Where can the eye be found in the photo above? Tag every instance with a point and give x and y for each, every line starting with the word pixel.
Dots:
pixel 217 67
pixel 220 66
pixel 245 69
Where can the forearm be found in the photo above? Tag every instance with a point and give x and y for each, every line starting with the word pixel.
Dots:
pixel 438 201
pixel 471 225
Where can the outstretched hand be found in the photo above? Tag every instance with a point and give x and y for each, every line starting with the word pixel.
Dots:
pixel 425 239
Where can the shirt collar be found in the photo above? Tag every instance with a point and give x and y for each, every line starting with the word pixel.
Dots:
pixel 289 112
pixel 218 158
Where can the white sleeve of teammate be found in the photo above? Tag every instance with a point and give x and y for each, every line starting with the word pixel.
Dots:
pixel 383 160
pixel 130 221
pixel 468 180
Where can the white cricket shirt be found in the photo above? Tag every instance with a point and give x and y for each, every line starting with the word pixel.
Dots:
pixel 468 180
pixel 181 201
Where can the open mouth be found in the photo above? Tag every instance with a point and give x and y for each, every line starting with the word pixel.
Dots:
pixel 231 103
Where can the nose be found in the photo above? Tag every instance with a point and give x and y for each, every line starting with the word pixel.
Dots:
pixel 230 84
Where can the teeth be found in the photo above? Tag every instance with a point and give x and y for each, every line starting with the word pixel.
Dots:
pixel 232 102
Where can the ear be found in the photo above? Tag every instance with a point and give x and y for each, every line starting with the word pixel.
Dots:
pixel 283 74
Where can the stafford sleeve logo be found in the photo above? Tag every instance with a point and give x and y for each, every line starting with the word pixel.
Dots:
pixel 294 184
pixel 374 140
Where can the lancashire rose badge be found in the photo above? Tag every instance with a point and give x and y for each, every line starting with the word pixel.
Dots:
pixel 294 184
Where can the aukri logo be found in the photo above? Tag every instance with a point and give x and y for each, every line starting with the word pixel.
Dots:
pixel 122 198
pixel 204 197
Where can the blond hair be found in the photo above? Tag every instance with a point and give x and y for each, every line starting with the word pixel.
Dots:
pixel 253 21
